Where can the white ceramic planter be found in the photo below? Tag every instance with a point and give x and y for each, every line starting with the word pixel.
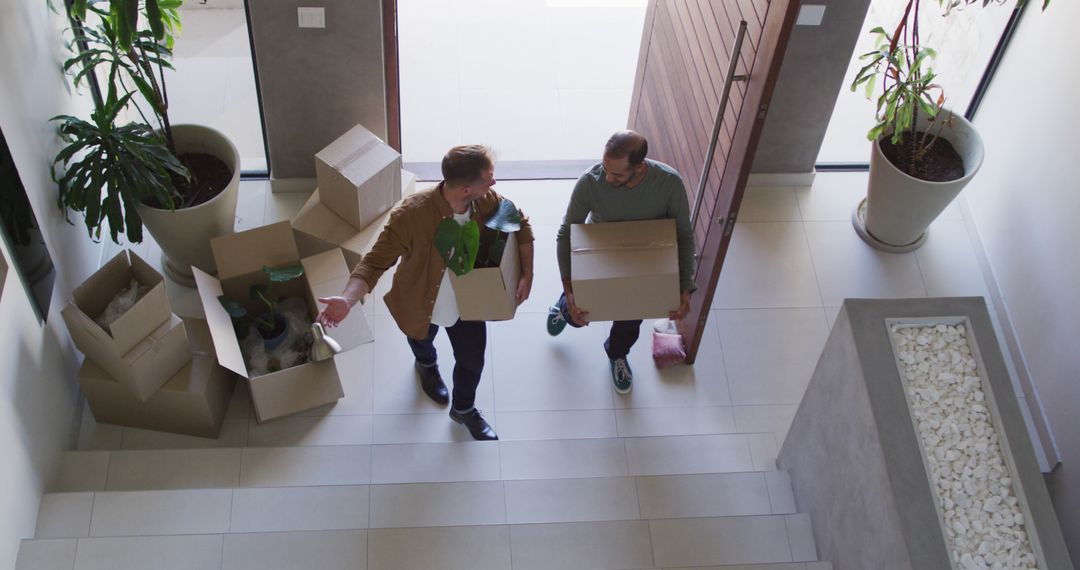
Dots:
pixel 899 208
pixel 184 235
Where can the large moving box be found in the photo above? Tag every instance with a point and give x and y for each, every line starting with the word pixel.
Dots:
pixel 192 402
pixel 623 271
pixel 359 176
pixel 240 258
pixel 488 293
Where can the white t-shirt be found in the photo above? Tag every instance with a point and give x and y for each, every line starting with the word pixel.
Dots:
pixel 445 312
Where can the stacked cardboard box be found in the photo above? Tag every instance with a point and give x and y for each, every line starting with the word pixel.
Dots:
pixel 359 177
pixel 140 370
pixel 240 258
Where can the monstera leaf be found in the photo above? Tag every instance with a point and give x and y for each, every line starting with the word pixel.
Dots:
pixel 507 218
pixel 458 244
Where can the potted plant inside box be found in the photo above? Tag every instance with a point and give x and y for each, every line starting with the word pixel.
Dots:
pixel 271 325
pixel 922 154
pixel 180 180
pixel 459 244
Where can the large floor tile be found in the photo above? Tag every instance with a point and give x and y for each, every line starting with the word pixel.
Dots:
pixel 770 204
pixel 847 267
pixel 534 371
pixel 82 471
pixel 234 433
pixel 547 281
pixel 397 388
pixel 435 462
pixel 571 500
pixel 599 545
pixel 307 431
pixel 724 540
pixel 198 552
pixel 702 384
pixel 139 513
pixel 423 428
pixel 325 550
pixel 356 368
pixel 570 424
pixel 644 422
pixel 437 504
pixel 948 262
pixel 786 279
pixel 94 436
pixel 394 549
pixel 679 455
pixel 763 450
pixel 766 418
pixel 832 197
pixel 173 469
pixel 563 459
pixel 64 515
pixel 770 354
pixel 801 537
pixel 46 555
pixel 295 466
pixel 706 495
pixel 781 495
pixel 299 508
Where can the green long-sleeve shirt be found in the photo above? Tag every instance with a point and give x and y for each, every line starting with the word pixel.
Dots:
pixel 659 195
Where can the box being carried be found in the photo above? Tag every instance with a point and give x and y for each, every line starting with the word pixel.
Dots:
pixel 488 293
pixel 240 258
pixel 146 345
pixel 318 228
pixel 192 402
pixel 359 177
pixel 623 271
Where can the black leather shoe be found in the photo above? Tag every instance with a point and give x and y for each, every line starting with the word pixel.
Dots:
pixel 432 383
pixel 478 426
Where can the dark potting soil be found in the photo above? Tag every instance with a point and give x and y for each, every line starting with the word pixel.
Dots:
pixel 209 177
pixel 940 163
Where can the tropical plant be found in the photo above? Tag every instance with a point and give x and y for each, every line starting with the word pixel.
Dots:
pixel 459 244
pixel 908 85
pixel 263 293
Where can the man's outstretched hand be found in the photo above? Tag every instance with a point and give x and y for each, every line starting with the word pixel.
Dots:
pixel 335 311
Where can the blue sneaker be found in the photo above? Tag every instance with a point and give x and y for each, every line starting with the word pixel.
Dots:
pixel 621 375
pixel 555 321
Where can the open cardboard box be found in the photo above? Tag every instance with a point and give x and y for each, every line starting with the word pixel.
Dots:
pixel 192 402
pixel 319 229
pixel 359 176
pixel 240 258
pixel 623 271
pixel 146 345
pixel 488 293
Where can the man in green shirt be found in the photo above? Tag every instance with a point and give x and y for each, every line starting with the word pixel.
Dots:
pixel 624 186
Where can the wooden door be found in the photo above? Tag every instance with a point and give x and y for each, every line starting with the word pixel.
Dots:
pixel 686 51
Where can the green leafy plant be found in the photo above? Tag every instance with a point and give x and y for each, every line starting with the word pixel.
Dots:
pixel 458 244
pixel 506 219
pixel 264 293
pixel 904 66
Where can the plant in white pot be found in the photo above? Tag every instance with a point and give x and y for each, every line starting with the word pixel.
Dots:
pixel 180 180
pixel 922 154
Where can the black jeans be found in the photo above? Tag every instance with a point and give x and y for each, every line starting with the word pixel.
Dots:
pixel 469 338
pixel 620 340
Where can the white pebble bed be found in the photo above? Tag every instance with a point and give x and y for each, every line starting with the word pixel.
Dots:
pixel 984 525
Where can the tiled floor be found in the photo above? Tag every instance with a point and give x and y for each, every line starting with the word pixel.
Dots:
pixel 679 473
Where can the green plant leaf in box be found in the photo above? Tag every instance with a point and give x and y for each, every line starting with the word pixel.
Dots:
pixel 507 218
pixel 458 244
pixel 283 274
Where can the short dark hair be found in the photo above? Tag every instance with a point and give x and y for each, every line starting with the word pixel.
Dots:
pixel 627 144
pixel 465 164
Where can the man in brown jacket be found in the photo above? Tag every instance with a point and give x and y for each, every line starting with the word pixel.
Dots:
pixel 422 298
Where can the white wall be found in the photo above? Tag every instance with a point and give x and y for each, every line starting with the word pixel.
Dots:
pixel 37 389
pixel 1026 206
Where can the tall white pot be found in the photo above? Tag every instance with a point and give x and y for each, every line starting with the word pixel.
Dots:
pixel 899 208
pixel 184 234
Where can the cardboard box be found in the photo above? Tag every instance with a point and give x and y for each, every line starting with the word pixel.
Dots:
pixel 192 402
pixel 359 176
pixel 148 365
pixel 623 271
pixel 317 228
pixel 487 294
pixel 240 258
pixel 90 299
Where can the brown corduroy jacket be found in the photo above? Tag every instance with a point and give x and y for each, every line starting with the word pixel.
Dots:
pixel 410 235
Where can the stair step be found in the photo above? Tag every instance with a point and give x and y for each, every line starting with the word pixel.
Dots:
pixel 764 542
pixel 129 470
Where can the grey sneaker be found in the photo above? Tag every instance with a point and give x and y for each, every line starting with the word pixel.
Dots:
pixel 555 321
pixel 621 375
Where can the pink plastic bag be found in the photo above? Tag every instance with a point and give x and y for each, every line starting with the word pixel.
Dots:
pixel 667 344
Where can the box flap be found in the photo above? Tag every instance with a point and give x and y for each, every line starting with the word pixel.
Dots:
pixel 327 275
pixel 357 142
pixel 623 249
pixel 295 389
pixel 94 294
pixel 246 252
pixel 222 332
pixel 83 329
